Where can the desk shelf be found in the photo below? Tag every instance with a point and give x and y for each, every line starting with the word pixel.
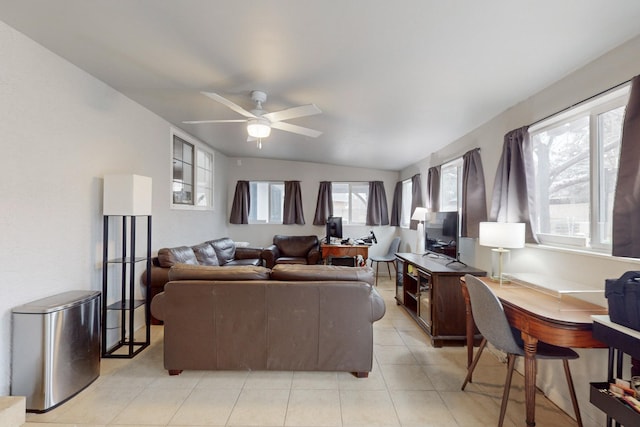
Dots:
pixel 620 340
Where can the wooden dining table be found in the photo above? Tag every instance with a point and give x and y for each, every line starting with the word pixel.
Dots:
pixel 560 320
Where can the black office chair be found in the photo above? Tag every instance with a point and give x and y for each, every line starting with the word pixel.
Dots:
pixel 389 257
pixel 492 323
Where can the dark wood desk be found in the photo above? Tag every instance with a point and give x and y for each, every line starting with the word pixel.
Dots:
pixel 344 250
pixel 562 321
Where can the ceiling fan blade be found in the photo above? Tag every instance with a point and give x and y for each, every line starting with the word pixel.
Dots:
pixel 197 122
pixel 296 129
pixel 235 107
pixel 292 113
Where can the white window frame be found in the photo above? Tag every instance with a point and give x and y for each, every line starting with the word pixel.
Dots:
pixel 199 150
pixel 270 203
pixel 407 198
pixel 349 219
pixel 592 109
pixel 456 165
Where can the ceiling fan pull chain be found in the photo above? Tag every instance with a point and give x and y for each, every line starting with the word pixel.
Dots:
pixel 259 143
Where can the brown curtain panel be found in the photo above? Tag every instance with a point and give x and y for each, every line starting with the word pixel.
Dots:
pixel 433 189
pixel 241 204
pixel 377 210
pixel 396 205
pixel 626 202
pixel 324 205
pixel 474 195
pixel 510 201
pixel 293 212
pixel 416 198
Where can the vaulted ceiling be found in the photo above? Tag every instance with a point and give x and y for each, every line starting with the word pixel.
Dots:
pixel 395 80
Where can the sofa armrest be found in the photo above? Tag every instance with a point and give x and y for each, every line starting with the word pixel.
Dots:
pixel 313 257
pixel 157 306
pixel 270 254
pixel 378 307
pixel 159 277
pixel 248 253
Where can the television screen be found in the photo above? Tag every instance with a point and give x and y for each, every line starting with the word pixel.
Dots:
pixel 441 233
pixel 334 228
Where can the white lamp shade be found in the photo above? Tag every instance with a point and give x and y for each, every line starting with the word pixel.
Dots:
pixel 419 214
pixel 126 195
pixel 258 128
pixel 502 234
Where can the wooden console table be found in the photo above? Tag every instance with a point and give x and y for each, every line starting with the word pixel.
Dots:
pixel 428 289
pixel 344 250
pixel 564 322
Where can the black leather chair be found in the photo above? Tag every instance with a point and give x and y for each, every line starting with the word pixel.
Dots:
pixel 292 250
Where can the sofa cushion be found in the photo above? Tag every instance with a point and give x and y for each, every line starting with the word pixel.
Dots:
pixel 205 254
pixel 225 249
pixel 168 257
pixel 208 272
pixel 293 272
pixel 248 261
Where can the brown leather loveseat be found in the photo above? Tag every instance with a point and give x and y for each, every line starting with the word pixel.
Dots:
pixel 218 252
pixel 292 250
pixel 293 318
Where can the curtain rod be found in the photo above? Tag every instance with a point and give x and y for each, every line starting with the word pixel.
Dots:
pixel 580 102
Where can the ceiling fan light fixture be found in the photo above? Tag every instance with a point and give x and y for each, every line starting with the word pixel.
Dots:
pixel 258 128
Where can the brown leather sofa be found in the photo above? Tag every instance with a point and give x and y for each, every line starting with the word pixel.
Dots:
pixel 294 318
pixel 292 250
pixel 219 252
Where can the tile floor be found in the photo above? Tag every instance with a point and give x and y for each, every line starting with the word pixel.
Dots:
pixel 412 384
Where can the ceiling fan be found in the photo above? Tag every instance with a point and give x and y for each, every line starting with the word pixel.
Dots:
pixel 259 122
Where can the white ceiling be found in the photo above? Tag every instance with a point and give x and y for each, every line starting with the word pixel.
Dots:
pixel 396 80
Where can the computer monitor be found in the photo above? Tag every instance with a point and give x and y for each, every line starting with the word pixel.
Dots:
pixel 334 228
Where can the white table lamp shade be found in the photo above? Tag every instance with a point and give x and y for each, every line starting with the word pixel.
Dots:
pixel 128 195
pixel 419 214
pixel 502 234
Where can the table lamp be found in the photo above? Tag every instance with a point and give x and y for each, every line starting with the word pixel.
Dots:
pixel 418 215
pixel 502 236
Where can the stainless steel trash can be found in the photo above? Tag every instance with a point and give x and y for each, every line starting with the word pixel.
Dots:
pixel 55 348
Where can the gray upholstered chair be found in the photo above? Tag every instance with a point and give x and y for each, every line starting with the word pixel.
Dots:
pixel 388 258
pixel 492 323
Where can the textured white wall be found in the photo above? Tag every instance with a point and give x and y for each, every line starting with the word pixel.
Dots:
pixel 607 71
pixel 62 130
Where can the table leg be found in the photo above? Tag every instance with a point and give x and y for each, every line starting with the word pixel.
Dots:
pixel 530 349
pixel 469 323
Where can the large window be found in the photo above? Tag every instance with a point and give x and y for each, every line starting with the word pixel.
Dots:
pixel 451 186
pixel 405 209
pixel 576 165
pixel 350 201
pixel 192 174
pixel 267 201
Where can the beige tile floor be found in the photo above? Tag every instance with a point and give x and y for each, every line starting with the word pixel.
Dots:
pixel 412 384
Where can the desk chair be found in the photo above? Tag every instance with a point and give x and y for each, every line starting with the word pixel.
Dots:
pixel 389 257
pixel 491 321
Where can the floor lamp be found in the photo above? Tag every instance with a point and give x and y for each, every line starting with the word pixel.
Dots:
pixel 502 236
pixel 418 215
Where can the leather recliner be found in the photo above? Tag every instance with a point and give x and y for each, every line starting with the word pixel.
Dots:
pixel 292 250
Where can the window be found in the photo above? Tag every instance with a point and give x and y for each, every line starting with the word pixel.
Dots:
pixel 575 158
pixel 350 201
pixel 192 174
pixel 267 202
pixel 405 209
pixel 451 186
